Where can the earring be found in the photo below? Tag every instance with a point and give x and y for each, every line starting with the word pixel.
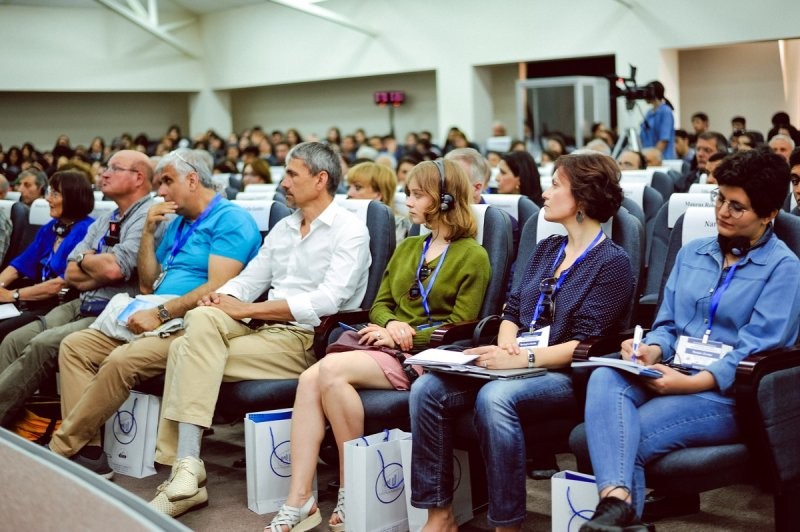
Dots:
pixel 579 217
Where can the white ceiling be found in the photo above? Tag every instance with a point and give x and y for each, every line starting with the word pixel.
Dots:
pixel 197 7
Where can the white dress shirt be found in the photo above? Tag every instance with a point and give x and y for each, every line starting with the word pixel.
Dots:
pixel 318 275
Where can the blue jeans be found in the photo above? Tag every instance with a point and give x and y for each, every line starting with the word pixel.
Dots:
pixel 627 427
pixel 501 409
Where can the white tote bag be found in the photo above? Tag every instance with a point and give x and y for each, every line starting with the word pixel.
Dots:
pixel 130 435
pixel 462 488
pixel 574 498
pixel 374 487
pixel 268 457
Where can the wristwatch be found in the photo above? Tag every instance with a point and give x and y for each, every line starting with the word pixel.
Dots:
pixel 531 358
pixel 79 261
pixel 163 314
pixel 15 295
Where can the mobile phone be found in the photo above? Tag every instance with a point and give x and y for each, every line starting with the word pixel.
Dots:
pixel 355 328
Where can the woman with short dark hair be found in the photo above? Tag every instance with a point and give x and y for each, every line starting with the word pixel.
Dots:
pixel 736 293
pixel 519 175
pixel 575 286
pixel 36 276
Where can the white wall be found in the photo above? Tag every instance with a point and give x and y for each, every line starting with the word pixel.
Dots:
pixel 271 46
pixel 41 117
pixel 733 80
pixel 345 103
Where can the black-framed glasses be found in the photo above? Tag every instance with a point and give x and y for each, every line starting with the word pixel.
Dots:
pixel 547 287
pixel 114 169
pixel 735 208
pixel 424 273
pixel 795 179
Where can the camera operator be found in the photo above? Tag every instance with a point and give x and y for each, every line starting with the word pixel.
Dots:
pixel 658 128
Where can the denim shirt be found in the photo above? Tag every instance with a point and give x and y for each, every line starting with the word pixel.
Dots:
pixel 760 310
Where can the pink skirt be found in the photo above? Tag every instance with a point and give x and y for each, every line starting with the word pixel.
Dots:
pixel 384 356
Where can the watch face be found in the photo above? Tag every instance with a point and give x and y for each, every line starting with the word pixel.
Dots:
pixel 163 313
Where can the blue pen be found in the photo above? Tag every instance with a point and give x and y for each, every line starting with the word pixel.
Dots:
pixel 347 327
pixel 637 339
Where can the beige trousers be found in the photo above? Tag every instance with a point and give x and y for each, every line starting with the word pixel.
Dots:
pixel 97 374
pixel 217 348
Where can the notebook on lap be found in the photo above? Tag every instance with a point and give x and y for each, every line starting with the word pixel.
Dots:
pixel 489 374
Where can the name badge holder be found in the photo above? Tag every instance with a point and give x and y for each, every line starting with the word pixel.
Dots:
pixel 425 291
pixel 699 353
pixel 537 338
pixel 561 278
pixel 181 239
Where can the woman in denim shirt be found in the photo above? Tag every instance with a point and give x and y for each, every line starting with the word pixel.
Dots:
pixel 742 289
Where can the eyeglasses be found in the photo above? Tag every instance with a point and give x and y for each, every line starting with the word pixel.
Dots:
pixel 414 292
pixel 795 179
pixel 178 155
pixel 735 208
pixel 548 307
pixel 115 169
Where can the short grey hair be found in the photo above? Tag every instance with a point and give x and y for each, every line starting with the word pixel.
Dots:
pixel 318 157
pixel 598 145
pixel 781 136
pixel 478 165
pixel 3 184
pixel 185 161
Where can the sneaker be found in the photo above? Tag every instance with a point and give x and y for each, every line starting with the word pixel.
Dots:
pixel 97 465
pixel 162 504
pixel 187 478
pixel 614 515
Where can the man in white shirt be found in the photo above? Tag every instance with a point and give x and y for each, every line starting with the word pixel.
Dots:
pixel 314 263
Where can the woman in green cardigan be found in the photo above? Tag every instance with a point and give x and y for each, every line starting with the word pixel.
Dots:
pixel 431 280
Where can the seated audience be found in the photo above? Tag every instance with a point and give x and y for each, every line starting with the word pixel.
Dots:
pixel 31 185
pixel 519 175
pixel 102 265
pixel 631 160
pixel 782 145
pixel 425 285
pixel 256 172
pixel 375 181
pixel 35 278
pixel 314 263
pixel 206 243
pixel 753 305
pixel 574 287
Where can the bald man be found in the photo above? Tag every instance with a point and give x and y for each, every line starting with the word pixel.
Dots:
pixel 102 265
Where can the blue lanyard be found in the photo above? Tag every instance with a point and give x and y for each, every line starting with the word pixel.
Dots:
pixel 563 277
pixel 715 299
pixel 181 238
pixel 423 292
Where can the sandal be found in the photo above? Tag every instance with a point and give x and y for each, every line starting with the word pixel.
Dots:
pixel 297 519
pixel 339 512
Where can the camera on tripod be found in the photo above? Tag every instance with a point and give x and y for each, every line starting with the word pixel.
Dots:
pixel 627 87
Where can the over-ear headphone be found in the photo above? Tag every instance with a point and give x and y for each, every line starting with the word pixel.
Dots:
pixel 61 229
pixel 446 200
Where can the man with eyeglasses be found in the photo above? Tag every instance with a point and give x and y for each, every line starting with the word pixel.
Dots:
pixel 206 244
pixel 313 263
pixel 102 265
pixel 708 143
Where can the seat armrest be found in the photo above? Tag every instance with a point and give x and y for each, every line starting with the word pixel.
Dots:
pixel 753 368
pixel 328 324
pixel 450 333
pixel 596 346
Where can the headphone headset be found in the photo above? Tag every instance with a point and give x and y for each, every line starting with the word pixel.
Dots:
pixel 446 200
pixel 61 229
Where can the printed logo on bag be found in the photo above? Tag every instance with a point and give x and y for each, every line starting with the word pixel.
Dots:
pixel 125 425
pixel 389 484
pixel 280 457
pixel 574 513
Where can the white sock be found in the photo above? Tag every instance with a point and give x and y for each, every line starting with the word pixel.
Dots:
pixel 189 437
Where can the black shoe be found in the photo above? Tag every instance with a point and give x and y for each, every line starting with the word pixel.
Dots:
pixel 97 465
pixel 614 515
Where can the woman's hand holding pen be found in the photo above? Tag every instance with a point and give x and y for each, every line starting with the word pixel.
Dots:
pixel 648 354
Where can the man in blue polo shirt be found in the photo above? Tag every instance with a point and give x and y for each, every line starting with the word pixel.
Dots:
pixel 208 243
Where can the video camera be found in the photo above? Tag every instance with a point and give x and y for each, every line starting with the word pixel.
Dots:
pixel 627 87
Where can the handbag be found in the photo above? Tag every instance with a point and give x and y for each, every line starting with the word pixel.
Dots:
pixel 574 498
pixel 268 459
pixel 130 436
pixel 374 486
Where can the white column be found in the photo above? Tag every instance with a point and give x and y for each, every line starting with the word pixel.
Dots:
pixel 209 109
pixel 463 95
